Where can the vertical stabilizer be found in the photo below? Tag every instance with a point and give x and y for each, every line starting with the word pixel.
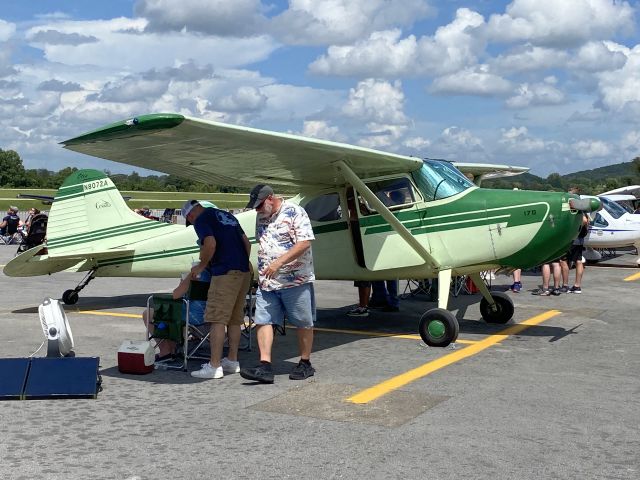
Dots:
pixel 89 213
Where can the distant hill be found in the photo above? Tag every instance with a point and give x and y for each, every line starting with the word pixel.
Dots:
pixel 588 181
pixel 619 170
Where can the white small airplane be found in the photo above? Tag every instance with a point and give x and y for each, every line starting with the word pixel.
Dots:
pixel 375 215
pixel 610 228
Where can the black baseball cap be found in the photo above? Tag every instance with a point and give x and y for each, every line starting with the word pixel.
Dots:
pixel 258 195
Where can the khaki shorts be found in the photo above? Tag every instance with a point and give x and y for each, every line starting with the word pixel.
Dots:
pixel 226 299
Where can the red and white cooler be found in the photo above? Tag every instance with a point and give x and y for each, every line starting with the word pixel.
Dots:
pixel 136 356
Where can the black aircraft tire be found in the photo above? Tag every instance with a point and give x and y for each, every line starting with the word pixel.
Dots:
pixel 438 327
pixel 70 297
pixel 504 311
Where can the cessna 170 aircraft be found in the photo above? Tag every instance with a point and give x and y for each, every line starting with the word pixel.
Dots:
pixel 375 215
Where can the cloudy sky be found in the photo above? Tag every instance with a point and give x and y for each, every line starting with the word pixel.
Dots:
pixel 552 85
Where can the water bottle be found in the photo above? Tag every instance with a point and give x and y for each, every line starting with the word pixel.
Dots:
pixel 193 264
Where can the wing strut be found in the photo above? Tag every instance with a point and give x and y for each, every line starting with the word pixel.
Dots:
pixel 386 214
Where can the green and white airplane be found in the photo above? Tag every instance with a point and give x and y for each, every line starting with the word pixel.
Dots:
pixel 376 215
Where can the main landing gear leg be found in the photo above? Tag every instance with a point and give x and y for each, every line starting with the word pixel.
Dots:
pixel 70 297
pixel 439 327
pixel 495 307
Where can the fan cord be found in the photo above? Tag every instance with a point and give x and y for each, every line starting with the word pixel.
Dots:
pixel 41 345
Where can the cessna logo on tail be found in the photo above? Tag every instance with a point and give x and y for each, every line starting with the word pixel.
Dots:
pixel 102 204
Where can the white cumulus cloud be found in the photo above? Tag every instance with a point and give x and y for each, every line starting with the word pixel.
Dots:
pixel 337 22
pixel 544 93
pixel 471 81
pixel 620 88
pixel 377 101
pixel 237 18
pixel 528 58
pixel 386 54
pixel 131 49
pixel 563 23
pixel 599 56
pixel 7 30
pixel 518 140
pixel 321 129
pixel 589 149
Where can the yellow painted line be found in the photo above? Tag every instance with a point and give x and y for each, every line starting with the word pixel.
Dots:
pixel 329 330
pixel 377 391
pixel 379 334
pixel 110 314
pixel 633 277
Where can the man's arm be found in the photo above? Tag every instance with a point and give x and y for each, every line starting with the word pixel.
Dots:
pixel 297 250
pixel 207 250
pixel 182 288
pixel 247 244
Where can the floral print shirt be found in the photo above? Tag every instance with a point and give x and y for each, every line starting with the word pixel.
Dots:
pixel 276 235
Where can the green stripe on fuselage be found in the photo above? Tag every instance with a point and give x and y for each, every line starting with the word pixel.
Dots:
pixel 105 233
pixel 418 222
pixel 149 256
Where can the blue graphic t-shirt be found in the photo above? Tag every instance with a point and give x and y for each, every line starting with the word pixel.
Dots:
pixel 230 253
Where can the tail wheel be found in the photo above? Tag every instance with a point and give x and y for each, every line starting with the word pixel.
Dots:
pixel 503 311
pixel 70 297
pixel 438 327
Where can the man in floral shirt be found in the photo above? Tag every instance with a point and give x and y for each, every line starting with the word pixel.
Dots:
pixel 285 267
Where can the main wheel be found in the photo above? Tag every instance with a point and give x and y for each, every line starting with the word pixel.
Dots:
pixel 438 327
pixel 70 297
pixel 502 313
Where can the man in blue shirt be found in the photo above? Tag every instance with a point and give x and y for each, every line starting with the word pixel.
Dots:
pixel 224 249
pixel 10 222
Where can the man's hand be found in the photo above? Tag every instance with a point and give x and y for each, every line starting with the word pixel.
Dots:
pixel 272 268
pixel 196 270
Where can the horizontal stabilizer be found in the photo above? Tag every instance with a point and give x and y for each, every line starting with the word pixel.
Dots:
pixel 32 262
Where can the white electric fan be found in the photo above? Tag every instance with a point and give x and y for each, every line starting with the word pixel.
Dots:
pixel 56 328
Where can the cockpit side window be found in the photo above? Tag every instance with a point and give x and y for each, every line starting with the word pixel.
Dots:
pixel 325 208
pixel 395 194
pixel 599 222
pixel 439 179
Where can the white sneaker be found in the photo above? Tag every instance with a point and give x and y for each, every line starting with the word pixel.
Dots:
pixel 207 371
pixel 229 366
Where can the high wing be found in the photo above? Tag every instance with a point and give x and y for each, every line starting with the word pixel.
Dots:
pixel 482 171
pixel 225 154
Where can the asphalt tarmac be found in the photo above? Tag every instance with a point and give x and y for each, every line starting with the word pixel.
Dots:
pixel 553 394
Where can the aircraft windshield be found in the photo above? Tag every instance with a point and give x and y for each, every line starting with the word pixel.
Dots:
pixel 439 179
pixel 615 210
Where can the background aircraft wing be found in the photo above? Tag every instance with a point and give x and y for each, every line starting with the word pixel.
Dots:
pixel 482 171
pixel 628 190
pixel 223 154
pixel 45 199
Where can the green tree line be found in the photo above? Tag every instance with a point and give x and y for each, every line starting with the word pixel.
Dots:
pixel 14 175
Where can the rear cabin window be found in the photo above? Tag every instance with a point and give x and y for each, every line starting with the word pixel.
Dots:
pixel 325 208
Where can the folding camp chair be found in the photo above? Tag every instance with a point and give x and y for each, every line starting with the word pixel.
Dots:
pixel 198 291
pixel 168 324
pixel 36 234
pixel 416 287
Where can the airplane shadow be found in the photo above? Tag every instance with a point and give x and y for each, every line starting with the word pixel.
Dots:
pixel 99 303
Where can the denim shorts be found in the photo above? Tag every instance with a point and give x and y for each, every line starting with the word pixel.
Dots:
pixel 196 312
pixel 298 303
